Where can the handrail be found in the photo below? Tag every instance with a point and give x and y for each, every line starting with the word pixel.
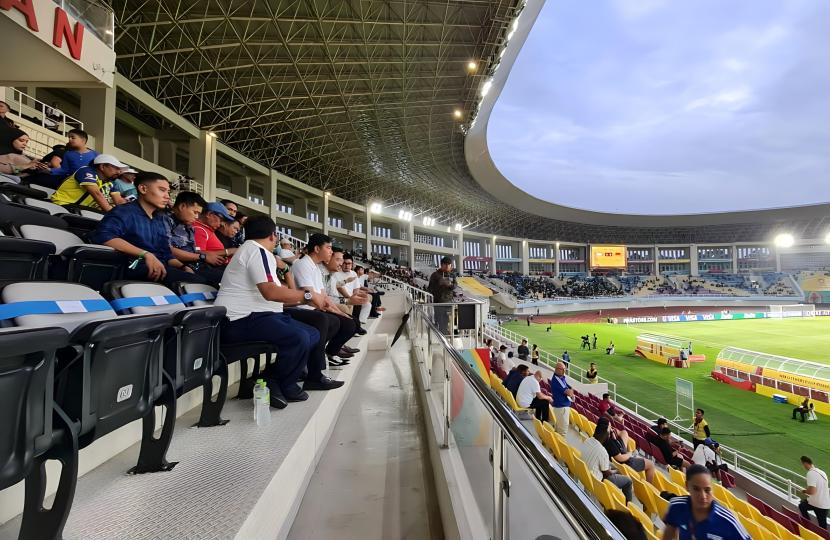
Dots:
pixel 47 116
pixel 783 479
pixel 575 506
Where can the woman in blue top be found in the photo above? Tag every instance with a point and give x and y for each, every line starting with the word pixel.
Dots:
pixel 698 516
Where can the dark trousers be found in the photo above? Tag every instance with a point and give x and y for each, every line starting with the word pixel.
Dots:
pixel 542 407
pixel 45 180
pixel 821 513
pixel 802 411
pixel 173 275
pixel 293 339
pixel 696 442
pixel 212 274
pixel 441 316
pixel 334 330
pixel 375 303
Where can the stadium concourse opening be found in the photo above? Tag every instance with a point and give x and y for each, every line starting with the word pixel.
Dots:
pixel 259 278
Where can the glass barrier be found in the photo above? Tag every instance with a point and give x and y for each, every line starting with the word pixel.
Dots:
pixel 516 488
pixel 95 15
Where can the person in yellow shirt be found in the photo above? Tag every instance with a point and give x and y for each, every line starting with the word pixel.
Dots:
pixel 700 429
pixel 88 186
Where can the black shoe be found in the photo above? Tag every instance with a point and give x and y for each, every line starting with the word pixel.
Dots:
pixel 334 361
pixel 343 355
pixel 350 350
pixel 374 316
pixel 325 383
pixel 360 331
pixel 278 402
pixel 301 396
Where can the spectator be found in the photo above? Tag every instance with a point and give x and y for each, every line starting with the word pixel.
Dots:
pixel 566 358
pixel 441 286
pixel 351 285
pixel 700 429
pixel 13 163
pixel 599 465
pixel 335 280
pixel 534 355
pixel 179 222
pixel 592 373
pixel 523 351
pixel 699 515
pixel 336 328
pixel 818 496
pixel 605 404
pixel 254 302
pixel 139 230
pixel 670 454
pixel 563 395
pixel 205 228
pixel 502 361
pixel 530 395
pixel 239 239
pixel 658 427
pixel 90 185
pixel 286 252
pixel 708 455
pixel 77 155
pixel 54 158
pixel 6 124
pixel 230 206
pixel 616 445
pixel 226 233
pixel 123 188
pixel 515 377
pixel 803 409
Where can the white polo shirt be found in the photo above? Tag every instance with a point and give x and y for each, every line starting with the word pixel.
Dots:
pixel 251 264
pixel 821 498
pixel 307 274
pixel 703 455
pixel 528 389
pixel 595 457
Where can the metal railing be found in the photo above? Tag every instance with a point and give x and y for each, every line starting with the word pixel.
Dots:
pixel 784 480
pixel 518 490
pixel 39 113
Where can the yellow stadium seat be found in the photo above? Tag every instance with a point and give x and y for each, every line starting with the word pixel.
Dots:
pixel 724 496
pixel 632 445
pixel 582 473
pixel 807 534
pixel 646 494
pixel 660 481
pixel 651 536
pixel 776 528
pixel 677 489
pixel 662 506
pixel 537 425
pixel 629 472
pixel 755 530
pixel 616 495
pixel 550 441
pixel 641 516
pixel 677 477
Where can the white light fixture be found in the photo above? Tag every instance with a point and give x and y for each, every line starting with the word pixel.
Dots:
pixel 827 237
pixel 486 87
pixel 472 65
pixel 448 229
pixel 428 221
pixel 459 227
pixel 457 113
pixel 375 208
pixel 404 215
pixel 328 193
pixel 211 134
pixel 784 240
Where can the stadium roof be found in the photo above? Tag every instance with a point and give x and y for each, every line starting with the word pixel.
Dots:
pixel 355 97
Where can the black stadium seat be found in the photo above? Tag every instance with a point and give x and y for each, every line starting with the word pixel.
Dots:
pixel 34 429
pixel 190 351
pixel 15 213
pixel 22 260
pixel 229 353
pixel 17 192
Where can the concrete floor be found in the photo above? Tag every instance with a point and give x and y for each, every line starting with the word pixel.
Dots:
pixel 374 479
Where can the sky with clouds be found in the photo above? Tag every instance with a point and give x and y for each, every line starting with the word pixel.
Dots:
pixel 669 106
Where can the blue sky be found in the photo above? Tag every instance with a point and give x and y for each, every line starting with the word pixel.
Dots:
pixel 670 106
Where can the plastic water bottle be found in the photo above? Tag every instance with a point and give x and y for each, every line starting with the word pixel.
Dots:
pixel 262 404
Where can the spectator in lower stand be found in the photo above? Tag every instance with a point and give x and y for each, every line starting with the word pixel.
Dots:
pixel 599 464
pixel 6 124
pixel 504 363
pixel 230 206
pixel 54 158
pixel 179 221
pixel 605 404
pixel 351 285
pixel 89 186
pixel 670 454
pixel 616 446
pixel 530 395
pixel 286 251
pixel 123 188
pixel 523 351
pixel 139 230
pixel 563 396
pixel 254 301
pixel 515 378
pixel 336 284
pixel 658 427
pixel 241 218
pixel 816 491
pixel 336 327
pixel 77 155
pixel 226 233
pixel 698 515
pixel 700 429
pixel 708 455
pixel 205 228
pixel 13 162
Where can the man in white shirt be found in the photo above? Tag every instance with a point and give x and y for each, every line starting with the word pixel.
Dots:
pixel 336 328
pixel 342 287
pixel 818 496
pixel 530 395
pixel 286 252
pixel 254 298
pixel 599 464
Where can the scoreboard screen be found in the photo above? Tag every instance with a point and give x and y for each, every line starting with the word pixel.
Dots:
pixel 608 257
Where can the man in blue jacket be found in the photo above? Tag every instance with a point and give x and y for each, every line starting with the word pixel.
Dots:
pixel 563 396
pixel 514 378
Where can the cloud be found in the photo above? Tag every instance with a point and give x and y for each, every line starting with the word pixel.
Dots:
pixel 660 107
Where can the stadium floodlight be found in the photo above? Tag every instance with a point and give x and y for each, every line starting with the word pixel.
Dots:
pixel 784 240
pixel 459 227
pixel 486 87
pixel 404 215
pixel 428 221
pixel 472 65
pixel 328 193
pixel 827 238
pixel 457 113
pixel 375 208
pixel 211 134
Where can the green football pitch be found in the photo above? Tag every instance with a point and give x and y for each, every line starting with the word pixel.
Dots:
pixel 737 418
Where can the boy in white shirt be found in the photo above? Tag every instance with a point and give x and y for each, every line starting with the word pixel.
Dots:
pixel 254 298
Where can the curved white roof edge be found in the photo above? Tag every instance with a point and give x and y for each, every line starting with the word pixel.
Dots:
pixel 485 172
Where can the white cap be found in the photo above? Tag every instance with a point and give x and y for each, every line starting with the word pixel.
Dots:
pixel 106 159
pixel 129 171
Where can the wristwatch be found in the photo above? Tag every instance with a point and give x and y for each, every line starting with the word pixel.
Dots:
pixel 307 297
pixel 202 257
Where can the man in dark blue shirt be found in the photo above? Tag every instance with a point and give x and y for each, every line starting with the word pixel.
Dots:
pixel 138 230
pixel 514 378
pixel 562 398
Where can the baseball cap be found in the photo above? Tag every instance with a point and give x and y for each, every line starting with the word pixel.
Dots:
pixel 130 170
pixel 106 159
pixel 219 208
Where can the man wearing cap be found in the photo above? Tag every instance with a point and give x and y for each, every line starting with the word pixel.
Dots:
pixel 204 230
pixel 89 185
pixel 123 190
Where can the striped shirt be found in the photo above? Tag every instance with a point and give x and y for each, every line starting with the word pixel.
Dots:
pixel 595 457
pixel 720 525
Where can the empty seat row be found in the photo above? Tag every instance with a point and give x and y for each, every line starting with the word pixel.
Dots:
pixel 75 366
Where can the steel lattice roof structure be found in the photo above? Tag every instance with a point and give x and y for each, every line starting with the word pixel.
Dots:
pixel 355 97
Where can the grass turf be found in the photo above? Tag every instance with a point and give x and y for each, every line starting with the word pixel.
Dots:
pixel 737 418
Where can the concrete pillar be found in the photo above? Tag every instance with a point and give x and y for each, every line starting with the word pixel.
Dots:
pixel 202 165
pixel 493 255
pixel 368 232
pixel 555 249
pixel 410 235
pixel 271 193
pixel 525 254
pixel 324 215
pixel 301 207
pixel 98 116
pixel 459 257
pixel 734 249
pixel 694 270
pixel 778 259
pixel 656 261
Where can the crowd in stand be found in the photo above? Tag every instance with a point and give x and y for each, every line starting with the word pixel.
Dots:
pixel 575 287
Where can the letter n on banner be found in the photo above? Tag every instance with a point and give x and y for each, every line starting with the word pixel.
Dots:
pixel 74 39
